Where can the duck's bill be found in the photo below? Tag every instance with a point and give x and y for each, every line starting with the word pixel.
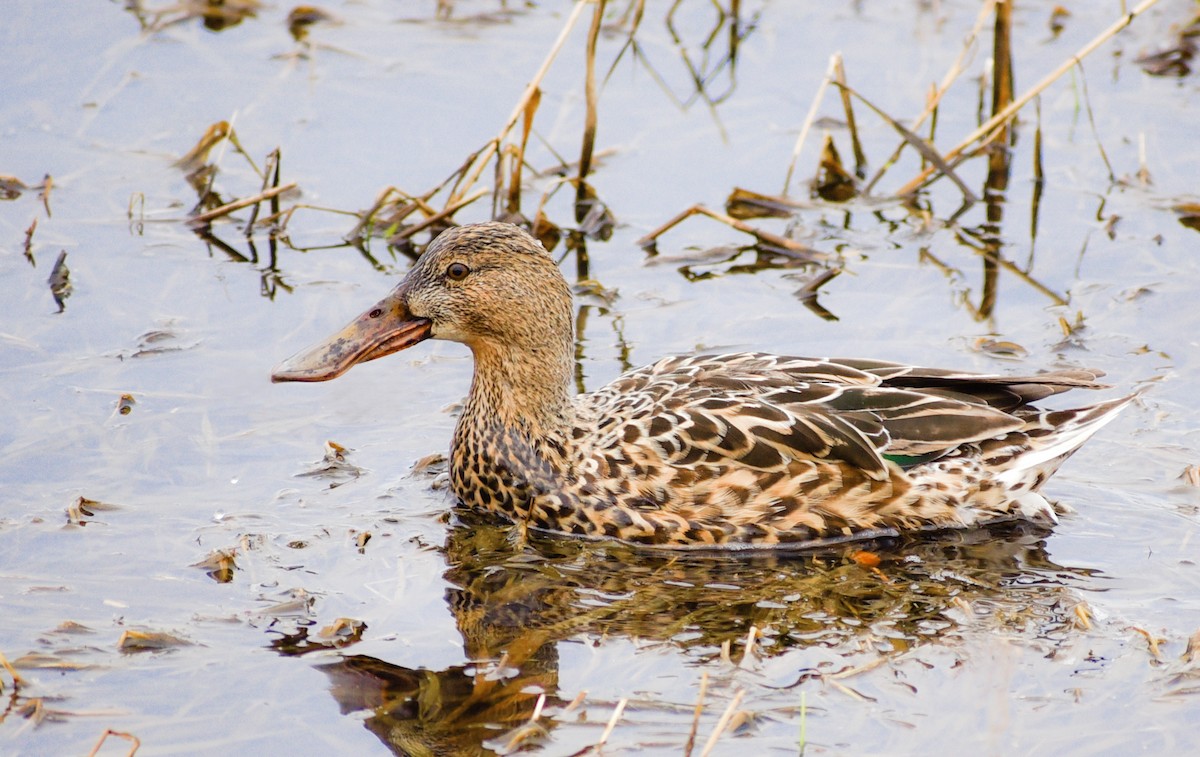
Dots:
pixel 386 328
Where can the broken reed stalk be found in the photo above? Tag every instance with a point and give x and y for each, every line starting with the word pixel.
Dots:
pixel 860 159
pixel 748 651
pixel 919 144
pixel 29 241
pixel 985 130
pixel 47 185
pixel 723 723
pixel 415 202
pixel 1012 268
pixel 834 63
pixel 691 739
pixel 633 17
pixel 228 208
pixel 283 217
pixel 482 158
pixel 514 182
pixel 956 70
pixel 999 160
pixel 1091 114
pixel 270 179
pixel 612 723
pixel 18 681
pixel 225 136
pixel 783 243
pixel 1003 88
pixel 445 212
pixel 135 742
pixel 933 119
pixel 589 124
pixel 1039 181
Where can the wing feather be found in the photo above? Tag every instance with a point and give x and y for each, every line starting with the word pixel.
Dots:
pixel 762 411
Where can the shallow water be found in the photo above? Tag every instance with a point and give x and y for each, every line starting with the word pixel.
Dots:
pixel 1016 640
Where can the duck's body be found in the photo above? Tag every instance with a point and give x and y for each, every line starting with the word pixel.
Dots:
pixel 740 450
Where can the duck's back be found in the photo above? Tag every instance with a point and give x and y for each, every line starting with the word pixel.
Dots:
pixel 758 448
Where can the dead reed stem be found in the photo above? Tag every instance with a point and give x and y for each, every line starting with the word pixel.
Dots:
pixel 18 681
pixel 228 208
pixel 691 739
pixel 834 62
pixel 1091 114
pixel 47 186
pixel 612 723
pixel 270 179
pixel 919 144
pixel 514 181
pixel 783 243
pixel 28 247
pixel 956 70
pixel 1012 268
pixel 589 124
pixel 986 128
pixel 748 651
pixel 723 723
pixel 484 157
pixel 133 740
pixel 860 159
pixel 449 210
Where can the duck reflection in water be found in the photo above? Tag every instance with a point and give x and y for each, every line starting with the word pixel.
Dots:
pixel 514 606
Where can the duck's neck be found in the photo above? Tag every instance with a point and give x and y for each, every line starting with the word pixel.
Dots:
pixel 512 439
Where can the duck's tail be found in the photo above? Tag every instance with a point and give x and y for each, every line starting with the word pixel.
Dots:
pixel 1024 459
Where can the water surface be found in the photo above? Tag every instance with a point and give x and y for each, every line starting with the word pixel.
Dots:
pixel 355 615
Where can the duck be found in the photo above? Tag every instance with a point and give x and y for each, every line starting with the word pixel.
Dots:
pixel 744 450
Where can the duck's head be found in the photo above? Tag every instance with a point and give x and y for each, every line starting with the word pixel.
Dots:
pixel 490 286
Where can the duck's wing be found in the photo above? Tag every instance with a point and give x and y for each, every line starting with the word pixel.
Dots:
pixel 764 411
pixel 1002 392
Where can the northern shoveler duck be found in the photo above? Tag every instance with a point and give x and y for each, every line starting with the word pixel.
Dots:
pixel 730 451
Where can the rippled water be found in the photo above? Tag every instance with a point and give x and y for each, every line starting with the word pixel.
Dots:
pixel 293 604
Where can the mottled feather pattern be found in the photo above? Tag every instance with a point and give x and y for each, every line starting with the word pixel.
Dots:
pixel 766 450
pixel 742 450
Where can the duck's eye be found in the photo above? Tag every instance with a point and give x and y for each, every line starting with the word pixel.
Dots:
pixel 457 271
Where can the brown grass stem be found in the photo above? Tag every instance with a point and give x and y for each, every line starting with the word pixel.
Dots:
pixel 865 667
pixel 1012 268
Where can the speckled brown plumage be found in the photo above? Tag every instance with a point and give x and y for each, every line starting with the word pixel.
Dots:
pixel 717 451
